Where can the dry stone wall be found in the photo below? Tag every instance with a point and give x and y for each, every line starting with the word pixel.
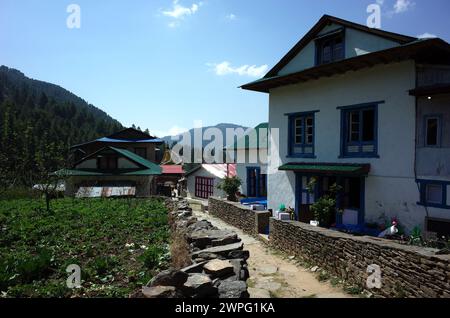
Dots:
pixel 251 222
pixel 406 271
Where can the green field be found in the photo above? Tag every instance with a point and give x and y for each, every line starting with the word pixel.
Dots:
pixel 36 246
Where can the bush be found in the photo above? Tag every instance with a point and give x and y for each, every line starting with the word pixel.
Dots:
pixel 230 185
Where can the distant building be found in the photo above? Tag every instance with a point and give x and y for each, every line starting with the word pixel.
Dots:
pixel 123 164
pixel 252 148
pixel 201 182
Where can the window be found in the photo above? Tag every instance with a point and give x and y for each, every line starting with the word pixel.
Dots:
pixel 330 48
pixel 256 183
pixel 204 187
pixel 142 152
pixel 359 131
pixel 107 163
pixel 432 131
pixel 434 193
pixel 301 135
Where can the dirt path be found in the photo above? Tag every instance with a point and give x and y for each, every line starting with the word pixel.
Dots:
pixel 272 275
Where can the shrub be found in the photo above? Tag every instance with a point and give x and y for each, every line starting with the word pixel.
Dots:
pixel 230 185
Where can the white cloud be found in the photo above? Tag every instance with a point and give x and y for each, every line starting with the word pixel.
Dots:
pixel 402 6
pixel 231 16
pixel 225 68
pixel 380 2
pixel 426 35
pixel 178 11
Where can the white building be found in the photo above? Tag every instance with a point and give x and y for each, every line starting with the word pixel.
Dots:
pixel 250 155
pixel 202 181
pixel 370 111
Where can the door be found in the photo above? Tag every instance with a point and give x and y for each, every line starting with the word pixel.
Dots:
pixel 204 187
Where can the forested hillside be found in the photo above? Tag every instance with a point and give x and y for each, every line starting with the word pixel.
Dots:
pixel 38 123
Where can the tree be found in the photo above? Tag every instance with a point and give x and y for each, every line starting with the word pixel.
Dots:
pixel 49 160
pixel 43 100
pixel 230 185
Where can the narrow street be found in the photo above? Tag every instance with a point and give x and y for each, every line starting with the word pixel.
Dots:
pixel 274 276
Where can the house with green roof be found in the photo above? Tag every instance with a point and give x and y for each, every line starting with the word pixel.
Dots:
pixel 113 169
pixel 250 155
pixel 367 110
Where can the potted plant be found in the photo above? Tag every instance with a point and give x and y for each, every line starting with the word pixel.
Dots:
pixel 324 207
pixel 230 185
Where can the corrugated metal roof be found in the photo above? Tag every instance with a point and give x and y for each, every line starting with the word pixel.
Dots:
pixel 172 169
pixel 105 192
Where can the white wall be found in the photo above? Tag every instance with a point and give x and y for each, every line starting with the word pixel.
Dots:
pixel 190 191
pixel 356 43
pixel 391 183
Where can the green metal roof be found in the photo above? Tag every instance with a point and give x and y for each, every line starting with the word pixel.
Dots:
pixel 327 168
pixel 147 168
pixel 138 159
pixel 244 142
pixel 96 173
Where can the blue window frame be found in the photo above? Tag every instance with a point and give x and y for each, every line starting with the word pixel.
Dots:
pixel 433 193
pixel 433 130
pixel 301 134
pixel 359 131
pixel 256 183
pixel 330 47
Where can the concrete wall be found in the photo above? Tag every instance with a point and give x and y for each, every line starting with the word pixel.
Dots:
pixel 251 222
pixel 390 187
pixel 241 168
pixel 356 43
pixel 406 271
pixel 190 190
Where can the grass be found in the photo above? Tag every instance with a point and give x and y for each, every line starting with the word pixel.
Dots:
pixel 118 244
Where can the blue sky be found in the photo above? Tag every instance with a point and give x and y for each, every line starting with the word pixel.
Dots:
pixel 161 64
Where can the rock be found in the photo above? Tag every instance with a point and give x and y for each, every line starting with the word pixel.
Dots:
pixel 222 250
pixel 240 269
pixel 169 277
pixel 199 286
pixel 161 292
pixel 268 285
pixel 194 268
pixel 258 293
pixel 184 206
pixel 204 238
pixel 184 214
pixel 314 269
pixel 218 268
pixel 207 256
pixel 233 289
pixel 239 254
pixel 200 225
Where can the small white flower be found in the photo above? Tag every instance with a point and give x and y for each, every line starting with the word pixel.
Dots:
pixel 129 245
pixel 144 247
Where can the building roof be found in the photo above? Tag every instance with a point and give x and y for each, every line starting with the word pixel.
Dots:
pixel 244 141
pixel 331 169
pixel 218 170
pixel 172 169
pixel 324 21
pixel 427 50
pixel 147 168
pixel 129 135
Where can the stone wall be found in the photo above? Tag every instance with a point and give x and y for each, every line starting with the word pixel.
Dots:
pixel 406 271
pixel 251 222
pixel 217 262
